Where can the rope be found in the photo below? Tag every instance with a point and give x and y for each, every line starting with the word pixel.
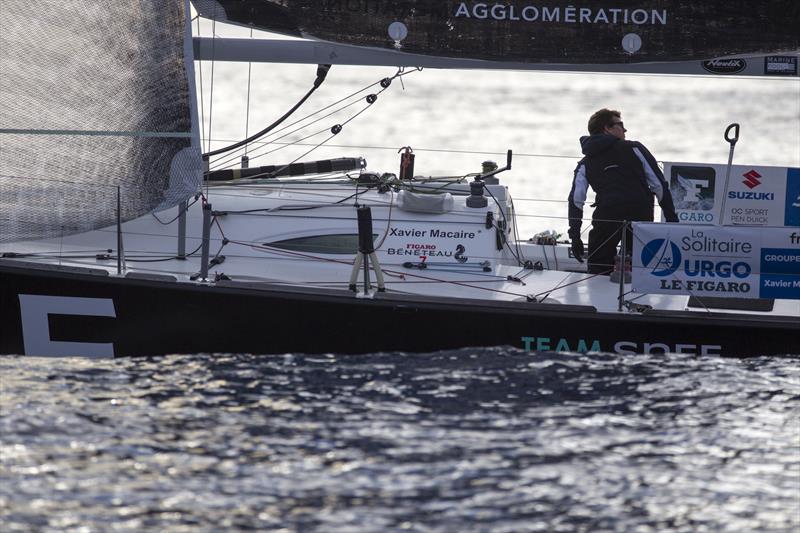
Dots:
pixel 202 92
pixel 180 212
pixel 394 149
pixel 247 109
pixel 384 85
pixel 211 90
pixel 232 158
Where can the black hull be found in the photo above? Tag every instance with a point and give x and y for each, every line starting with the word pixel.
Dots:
pixel 154 317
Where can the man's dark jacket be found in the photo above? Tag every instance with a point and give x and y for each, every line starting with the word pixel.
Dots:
pixel 624 176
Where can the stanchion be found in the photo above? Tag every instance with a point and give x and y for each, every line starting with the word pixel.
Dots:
pixel 182 208
pixel 120 248
pixel 622 260
pixel 206 241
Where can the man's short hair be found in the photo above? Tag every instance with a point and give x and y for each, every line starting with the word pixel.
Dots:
pixel 601 119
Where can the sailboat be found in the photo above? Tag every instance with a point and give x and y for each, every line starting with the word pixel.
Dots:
pixel 121 238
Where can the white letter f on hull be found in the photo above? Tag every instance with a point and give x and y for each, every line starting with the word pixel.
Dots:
pixel 36 329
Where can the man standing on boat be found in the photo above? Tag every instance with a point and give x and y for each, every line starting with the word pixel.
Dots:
pixel 624 176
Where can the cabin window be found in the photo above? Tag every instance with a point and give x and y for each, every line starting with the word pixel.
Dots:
pixel 343 243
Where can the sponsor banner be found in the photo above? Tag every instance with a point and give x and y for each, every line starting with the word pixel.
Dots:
pixel 725 66
pixel 736 262
pixel 780 66
pixel 438 243
pixel 755 195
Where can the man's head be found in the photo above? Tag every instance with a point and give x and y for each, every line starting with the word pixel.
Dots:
pixel 607 121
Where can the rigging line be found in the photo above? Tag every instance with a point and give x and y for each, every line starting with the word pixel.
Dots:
pixel 157 260
pixel 511 225
pixel 268 210
pixel 428 279
pixel 351 95
pixel 599 246
pixel 543 200
pixel 211 89
pixel 142 234
pixel 455 151
pixel 520 262
pixel 334 181
pixel 388 223
pixel 399 274
pixel 58 180
pixel 439 150
pixel 560 286
pixel 46 254
pixel 450 180
pixel 311 123
pixel 502 232
pixel 270 150
pixel 60 245
pixel 50 255
pixel 99 133
pixel 291 124
pixel 280 251
pixel 384 86
pixel 247 111
pixel 268 174
pixel 238 146
pixel 393 273
pixel 323 142
pixel 298 121
pixel 294 255
pixel 516 230
pixel 180 212
pixel 322 72
pixel 202 99
pixel 316 85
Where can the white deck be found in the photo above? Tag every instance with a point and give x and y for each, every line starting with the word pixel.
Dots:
pixel 150 247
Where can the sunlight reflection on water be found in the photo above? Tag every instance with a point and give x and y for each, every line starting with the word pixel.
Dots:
pixel 495 440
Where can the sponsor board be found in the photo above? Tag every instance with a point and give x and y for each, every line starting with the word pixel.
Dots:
pixel 725 66
pixel 437 243
pixel 754 196
pixel 780 66
pixel 556 14
pixel 737 262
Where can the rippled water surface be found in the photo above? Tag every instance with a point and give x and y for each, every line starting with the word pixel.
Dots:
pixel 470 440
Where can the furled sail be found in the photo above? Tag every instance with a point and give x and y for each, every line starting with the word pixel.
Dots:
pixel 547 32
pixel 96 97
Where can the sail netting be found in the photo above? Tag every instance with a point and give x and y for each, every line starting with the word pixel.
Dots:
pixel 96 101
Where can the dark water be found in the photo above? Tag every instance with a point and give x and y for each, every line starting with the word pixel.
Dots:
pixel 490 440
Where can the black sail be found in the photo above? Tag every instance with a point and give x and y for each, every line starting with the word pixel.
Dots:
pixel 553 31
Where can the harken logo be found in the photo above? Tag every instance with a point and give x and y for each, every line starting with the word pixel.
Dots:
pixel 661 256
pixel 751 179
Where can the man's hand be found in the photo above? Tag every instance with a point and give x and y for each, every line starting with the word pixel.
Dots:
pixel 577 248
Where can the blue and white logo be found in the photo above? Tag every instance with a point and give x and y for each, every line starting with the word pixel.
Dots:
pixel 661 256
